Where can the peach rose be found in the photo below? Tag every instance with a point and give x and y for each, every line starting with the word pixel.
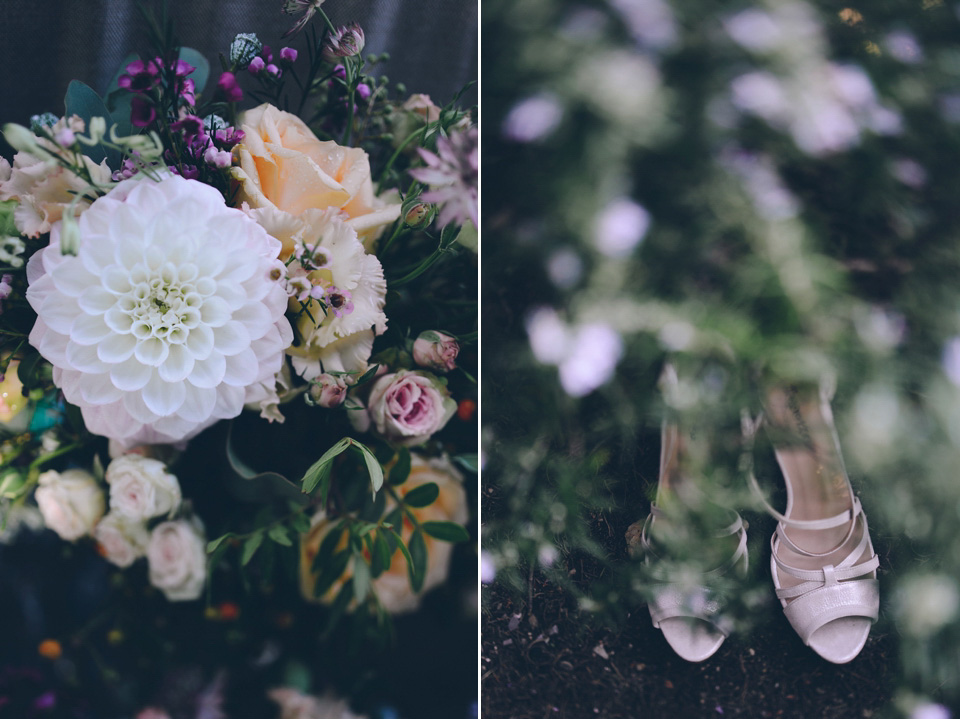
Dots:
pixel 283 165
pixel 393 586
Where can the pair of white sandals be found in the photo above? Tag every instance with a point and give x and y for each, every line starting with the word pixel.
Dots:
pixel 823 564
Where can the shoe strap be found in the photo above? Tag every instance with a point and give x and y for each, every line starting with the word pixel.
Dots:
pixel 737 526
pixel 829 574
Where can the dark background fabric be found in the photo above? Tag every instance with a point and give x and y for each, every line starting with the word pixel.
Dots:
pixel 45 44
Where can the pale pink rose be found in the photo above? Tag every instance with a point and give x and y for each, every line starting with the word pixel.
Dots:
pixel 294 704
pixel 178 559
pixel 408 407
pixel 328 391
pixel 121 541
pixel 284 165
pixel 436 350
pixel 70 502
pixel 422 105
pixel 152 713
pixel 141 488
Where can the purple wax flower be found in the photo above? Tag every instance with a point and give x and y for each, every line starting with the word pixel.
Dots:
pixel 142 112
pixel 189 92
pixel 273 70
pixel 364 91
pixel 288 54
pixel 229 87
pixel 190 125
pixel 228 137
pixel 340 71
pixel 140 76
pixel 256 65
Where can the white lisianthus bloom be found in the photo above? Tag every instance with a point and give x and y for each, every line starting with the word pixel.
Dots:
pixel 178 559
pixel 71 502
pixel 141 488
pixel 170 310
pixel 121 540
pixel 331 266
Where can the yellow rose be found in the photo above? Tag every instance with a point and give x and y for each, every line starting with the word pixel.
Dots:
pixel 393 586
pixel 283 165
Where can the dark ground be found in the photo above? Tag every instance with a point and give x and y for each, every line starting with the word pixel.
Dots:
pixel 544 659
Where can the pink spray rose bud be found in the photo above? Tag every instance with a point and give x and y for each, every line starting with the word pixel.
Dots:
pixel 436 351
pixel 256 65
pixel 408 407
pixel 288 54
pixel 328 391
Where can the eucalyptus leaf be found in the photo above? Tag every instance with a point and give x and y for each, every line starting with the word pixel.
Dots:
pixel 470 462
pixel 82 100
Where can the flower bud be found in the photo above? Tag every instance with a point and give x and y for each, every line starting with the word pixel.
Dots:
pixel 328 391
pixel 20 138
pixel 11 483
pixel 436 351
pixel 256 65
pixel 288 55
pixel 418 214
pixel 229 87
pixel 98 128
pixel 69 233
pixel 244 48
pixel 347 41
pixel 38 122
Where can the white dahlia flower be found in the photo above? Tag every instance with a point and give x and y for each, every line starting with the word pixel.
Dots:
pixel 171 309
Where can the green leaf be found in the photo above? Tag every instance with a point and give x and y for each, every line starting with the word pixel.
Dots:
pixel 339 605
pixel 212 546
pixel 403 549
pixel 331 572
pixel 361 578
pixel 380 555
pixel 418 563
pixel 367 376
pixel 279 535
pixel 446 531
pixel 321 467
pixel 202 72
pixel 82 100
pixel 27 371
pixel 401 470
pixel 422 496
pixel 250 548
pixel 327 547
pixel 373 466
pixel 300 523
pixel 470 462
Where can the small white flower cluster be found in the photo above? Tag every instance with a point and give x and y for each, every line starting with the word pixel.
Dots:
pixel 141 489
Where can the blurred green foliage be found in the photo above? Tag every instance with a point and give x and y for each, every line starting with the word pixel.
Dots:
pixel 760 192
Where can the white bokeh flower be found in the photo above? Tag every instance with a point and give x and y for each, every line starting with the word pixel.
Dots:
pixel 71 502
pixel 165 316
pixel 177 556
pixel 141 488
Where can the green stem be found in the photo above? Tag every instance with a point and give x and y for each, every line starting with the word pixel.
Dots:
pixel 393 158
pixel 423 267
pixel 396 233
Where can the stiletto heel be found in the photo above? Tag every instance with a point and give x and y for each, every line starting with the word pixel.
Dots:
pixel 823 563
pixel 688 614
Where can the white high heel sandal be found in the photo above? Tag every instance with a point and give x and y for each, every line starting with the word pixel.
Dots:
pixel 822 561
pixel 687 614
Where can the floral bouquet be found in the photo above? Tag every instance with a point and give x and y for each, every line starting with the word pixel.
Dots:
pixel 237 342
